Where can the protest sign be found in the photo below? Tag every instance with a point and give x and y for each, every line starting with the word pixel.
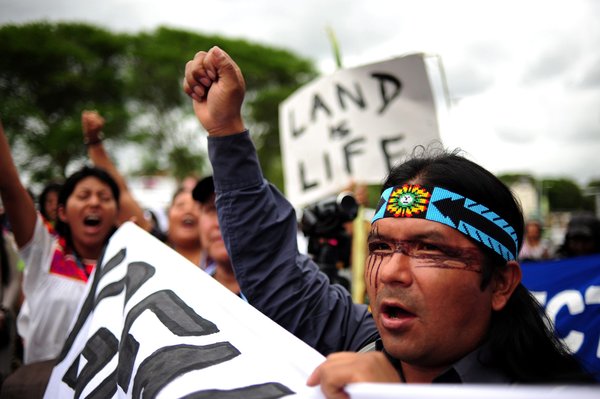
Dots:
pixel 354 125
pixel 154 325
pixel 474 391
pixel 569 289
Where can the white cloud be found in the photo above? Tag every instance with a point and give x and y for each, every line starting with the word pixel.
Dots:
pixel 525 73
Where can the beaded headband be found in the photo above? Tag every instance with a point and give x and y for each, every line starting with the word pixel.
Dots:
pixel 474 220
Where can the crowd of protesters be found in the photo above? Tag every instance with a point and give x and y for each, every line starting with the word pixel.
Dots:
pixel 49 248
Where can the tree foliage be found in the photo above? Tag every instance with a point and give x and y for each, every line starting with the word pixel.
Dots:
pixel 49 73
pixel 512 178
pixel 562 194
pixel 566 195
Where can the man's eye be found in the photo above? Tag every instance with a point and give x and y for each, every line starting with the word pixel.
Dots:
pixel 379 247
pixel 427 248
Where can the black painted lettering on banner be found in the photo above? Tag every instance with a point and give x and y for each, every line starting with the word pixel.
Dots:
pixel 269 390
pixel 392 157
pixel 339 131
pixel 106 389
pixel 358 99
pixel 389 88
pixel 164 365
pixel 306 185
pixel 127 354
pixel 90 301
pixel 98 352
pixel 350 150
pixel 317 105
pixel 168 363
pixel 327 164
pixel 295 131
pixel 137 274
pixel 174 313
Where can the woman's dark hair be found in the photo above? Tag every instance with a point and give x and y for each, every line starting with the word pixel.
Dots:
pixel 521 339
pixel 49 188
pixel 176 193
pixel 69 186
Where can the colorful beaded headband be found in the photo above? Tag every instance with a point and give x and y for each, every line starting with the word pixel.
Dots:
pixel 440 205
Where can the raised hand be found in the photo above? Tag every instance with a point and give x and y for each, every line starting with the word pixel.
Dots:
pixel 216 85
pixel 344 368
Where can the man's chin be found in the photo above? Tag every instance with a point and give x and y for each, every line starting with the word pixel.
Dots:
pixel 398 347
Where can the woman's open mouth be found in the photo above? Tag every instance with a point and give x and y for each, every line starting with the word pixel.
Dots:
pixel 92 220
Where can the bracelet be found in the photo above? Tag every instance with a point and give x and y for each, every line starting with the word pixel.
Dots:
pixel 97 140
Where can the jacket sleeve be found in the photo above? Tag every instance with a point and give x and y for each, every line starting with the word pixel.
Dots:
pixel 259 227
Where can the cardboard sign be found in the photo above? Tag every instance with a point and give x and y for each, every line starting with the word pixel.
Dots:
pixel 354 125
pixel 155 325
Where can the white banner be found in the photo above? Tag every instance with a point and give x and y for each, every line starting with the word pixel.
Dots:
pixel 474 391
pixel 155 325
pixel 354 125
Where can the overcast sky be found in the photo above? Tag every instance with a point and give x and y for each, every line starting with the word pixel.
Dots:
pixel 524 75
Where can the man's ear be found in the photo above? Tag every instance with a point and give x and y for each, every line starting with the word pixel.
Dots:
pixel 62 215
pixel 504 283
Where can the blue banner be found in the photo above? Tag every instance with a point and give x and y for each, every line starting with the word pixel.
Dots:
pixel 569 289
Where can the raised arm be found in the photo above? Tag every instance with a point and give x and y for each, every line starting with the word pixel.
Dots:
pixel 17 202
pixel 259 225
pixel 129 209
pixel 216 84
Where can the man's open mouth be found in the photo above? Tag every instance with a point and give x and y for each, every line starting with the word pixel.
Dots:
pixel 395 312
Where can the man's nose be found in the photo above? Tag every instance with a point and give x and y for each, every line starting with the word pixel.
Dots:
pixel 397 270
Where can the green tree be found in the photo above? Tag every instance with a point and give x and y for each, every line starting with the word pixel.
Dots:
pixel 135 82
pixel 592 195
pixel 566 195
pixel 48 74
pixel 157 69
pixel 512 178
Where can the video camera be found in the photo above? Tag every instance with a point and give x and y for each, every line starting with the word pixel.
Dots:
pixel 328 241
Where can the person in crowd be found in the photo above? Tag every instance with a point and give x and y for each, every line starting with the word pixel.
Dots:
pixel 156 227
pixel 57 267
pixel 216 261
pixel 93 123
pixel 189 182
pixel 447 303
pixel 182 233
pixel 10 302
pixel 582 236
pixel 48 203
pixel 535 247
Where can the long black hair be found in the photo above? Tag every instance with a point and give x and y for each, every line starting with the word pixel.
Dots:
pixel 49 188
pixel 69 186
pixel 521 339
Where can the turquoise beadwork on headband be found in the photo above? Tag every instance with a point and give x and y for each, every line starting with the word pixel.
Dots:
pixel 440 205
